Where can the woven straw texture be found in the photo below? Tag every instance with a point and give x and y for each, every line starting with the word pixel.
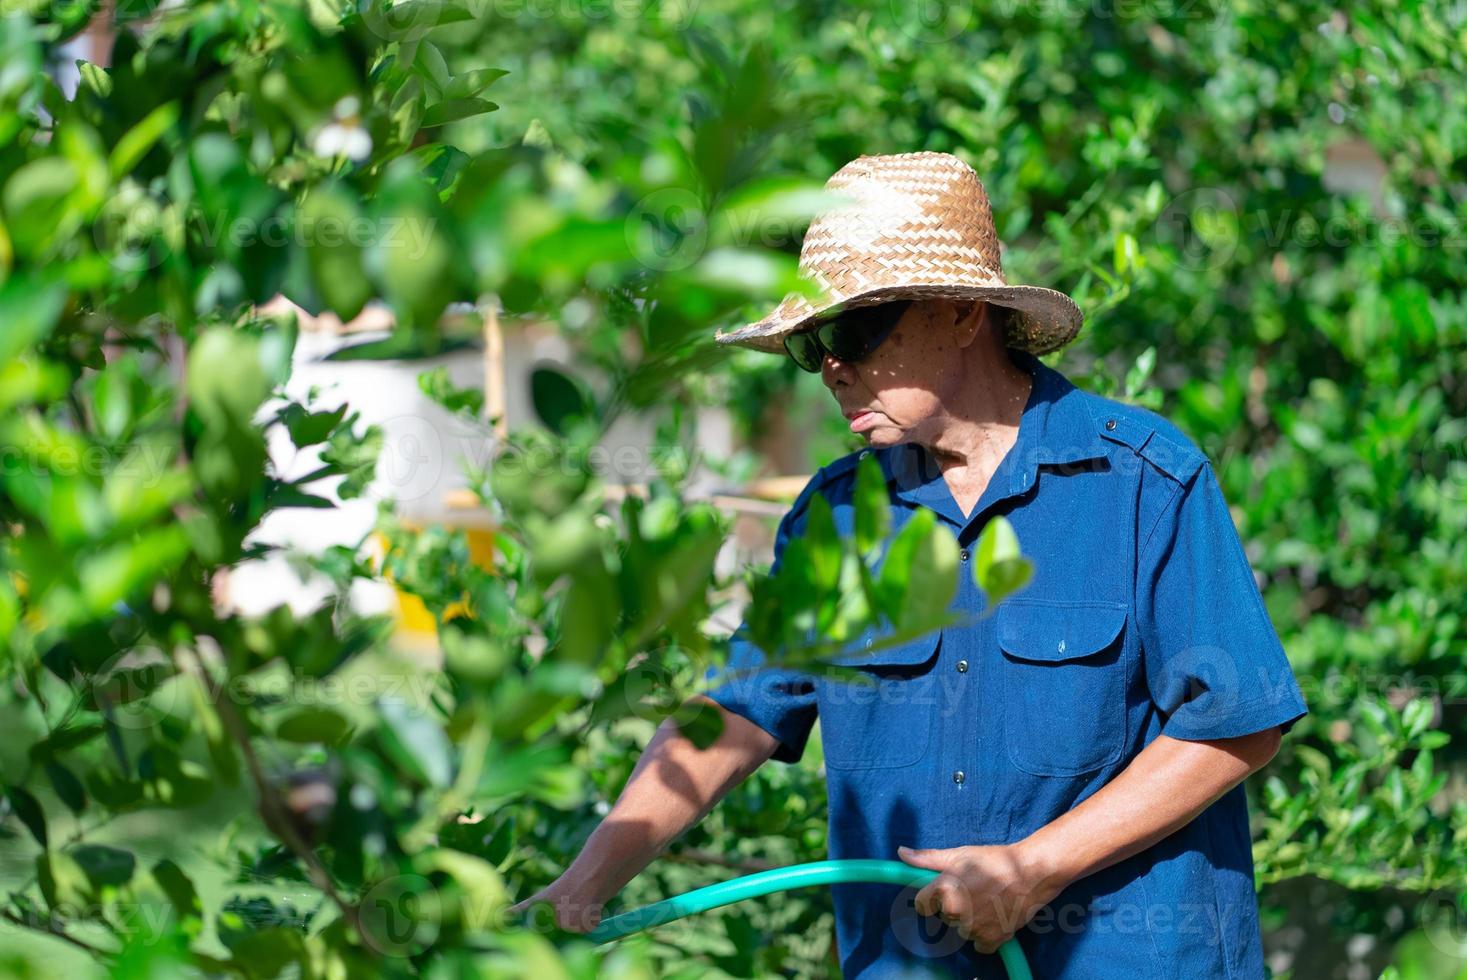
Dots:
pixel 910 225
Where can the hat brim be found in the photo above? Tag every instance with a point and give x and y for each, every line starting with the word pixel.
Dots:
pixel 1046 319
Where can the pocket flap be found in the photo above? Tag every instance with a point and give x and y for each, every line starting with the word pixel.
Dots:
pixel 867 649
pixel 1050 631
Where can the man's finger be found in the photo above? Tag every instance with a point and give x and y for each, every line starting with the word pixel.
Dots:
pixel 986 947
pixel 953 906
pixel 934 859
pixel 942 898
pixel 927 900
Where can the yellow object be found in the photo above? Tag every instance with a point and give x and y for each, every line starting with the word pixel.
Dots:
pixel 413 618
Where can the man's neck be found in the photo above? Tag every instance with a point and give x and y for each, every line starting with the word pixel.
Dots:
pixel 984 424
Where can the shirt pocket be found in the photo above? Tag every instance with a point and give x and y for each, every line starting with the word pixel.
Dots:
pixel 889 723
pixel 1064 684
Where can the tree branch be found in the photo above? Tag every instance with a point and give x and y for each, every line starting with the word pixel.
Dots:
pixel 56 930
pixel 272 811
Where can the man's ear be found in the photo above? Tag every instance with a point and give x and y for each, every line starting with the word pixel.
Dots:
pixel 972 317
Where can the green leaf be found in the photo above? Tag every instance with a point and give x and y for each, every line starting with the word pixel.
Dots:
pixel 104 866
pixel 64 739
pixel 181 894
pixel 355 455
pixel 174 781
pixel 136 142
pixel 290 495
pixel 873 505
pixel 999 568
pixel 36 202
pixel 310 428
pixel 437 385
pixel 774 201
pixel 433 66
pixel 63 883
pixel 68 788
pixel 591 607
pixel 112 789
pixel 483 893
pixel 403 345
pixel 28 811
pixel 561 545
pixel 412 259
pixel 313 724
pixel 918 579
pixel 216 738
pixel 1417 716
pixel 95 78
pixel 416 742
pixel 497 848
pixel 119 572
pixel 823 545
pixel 470 83
pixel 29 311
pixel 452 110
pixel 331 225
pixel 1127 258
pixel 477 659
pixel 1140 372
pixel 226 382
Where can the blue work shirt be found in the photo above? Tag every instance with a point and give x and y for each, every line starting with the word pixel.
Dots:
pixel 1143 618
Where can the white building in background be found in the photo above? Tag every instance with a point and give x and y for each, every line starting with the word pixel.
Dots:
pixel 424 450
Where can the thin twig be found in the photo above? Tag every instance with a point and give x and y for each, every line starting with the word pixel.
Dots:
pixel 272 811
pixel 55 929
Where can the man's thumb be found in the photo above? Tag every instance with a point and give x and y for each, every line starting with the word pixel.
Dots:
pixel 923 857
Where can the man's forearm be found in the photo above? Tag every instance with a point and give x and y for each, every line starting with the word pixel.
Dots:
pixel 672 787
pixel 1164 788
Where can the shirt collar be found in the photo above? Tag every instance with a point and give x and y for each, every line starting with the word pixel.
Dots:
pixel 1055 429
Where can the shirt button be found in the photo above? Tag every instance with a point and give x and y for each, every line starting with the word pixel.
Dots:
pixel 962 666
pixel 869 642
pixel 1061 646
pixel 1110 424
pixel 963 554
pixel 958 777
pixel 864 454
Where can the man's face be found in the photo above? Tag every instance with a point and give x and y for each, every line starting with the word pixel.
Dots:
pixel 897 393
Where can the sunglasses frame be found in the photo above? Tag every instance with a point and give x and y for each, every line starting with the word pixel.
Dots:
pixel 865 327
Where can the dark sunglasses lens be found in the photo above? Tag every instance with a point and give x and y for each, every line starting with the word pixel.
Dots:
pixel 804 351
pixel 856 334
pixel 849 341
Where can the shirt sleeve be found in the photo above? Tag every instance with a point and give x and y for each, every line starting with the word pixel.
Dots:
pixel 782 702
pixel 1214 665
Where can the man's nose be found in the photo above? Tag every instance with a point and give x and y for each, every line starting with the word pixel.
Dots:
pixel 834 371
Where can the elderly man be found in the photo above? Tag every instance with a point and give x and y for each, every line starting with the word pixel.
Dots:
pixel 1072 764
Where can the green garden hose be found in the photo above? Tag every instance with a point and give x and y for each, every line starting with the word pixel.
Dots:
pixel 783 879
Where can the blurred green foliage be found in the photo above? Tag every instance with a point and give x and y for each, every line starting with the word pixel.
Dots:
pixel 1203 179
pixel 638 181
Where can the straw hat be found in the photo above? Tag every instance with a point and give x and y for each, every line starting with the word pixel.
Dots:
pixel 915 226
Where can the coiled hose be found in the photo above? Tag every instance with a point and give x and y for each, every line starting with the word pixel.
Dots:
pixel 783 879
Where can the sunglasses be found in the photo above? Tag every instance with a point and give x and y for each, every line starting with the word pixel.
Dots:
pixel 849 337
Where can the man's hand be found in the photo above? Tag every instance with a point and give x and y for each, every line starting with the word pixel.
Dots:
pixel 986 892
pixel 574 910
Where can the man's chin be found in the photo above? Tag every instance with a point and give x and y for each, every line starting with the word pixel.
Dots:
pixel 882 437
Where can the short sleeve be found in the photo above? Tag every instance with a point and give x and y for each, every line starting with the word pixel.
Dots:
pixel 782 702
pixel 1213 661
